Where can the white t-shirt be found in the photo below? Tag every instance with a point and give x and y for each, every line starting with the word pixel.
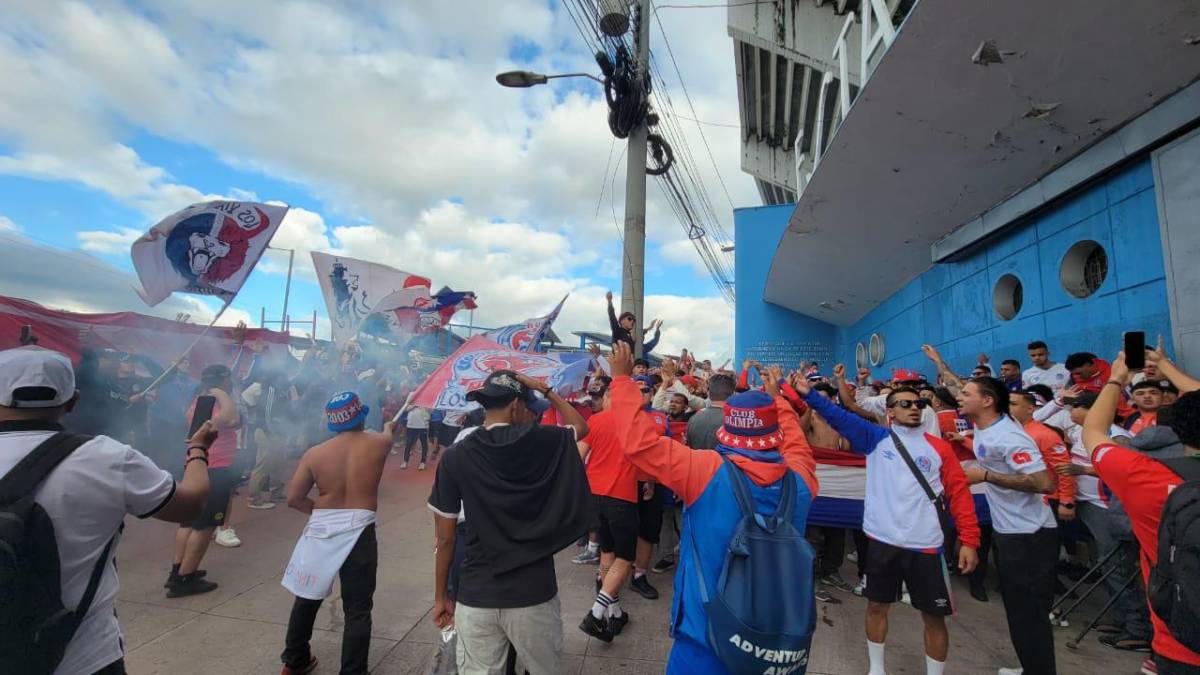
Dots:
pixel 418 418
pixel 87 497
pixel 454 419
pixel 1087 488
pixel 877 405
pixel 1056 377
pixel 1004 447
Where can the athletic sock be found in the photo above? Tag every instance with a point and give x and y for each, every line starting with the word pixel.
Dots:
pixel 933 667
pixel 614 608
pixel 638 573
pixel 603 601
pixel 593 547
pixel 875 652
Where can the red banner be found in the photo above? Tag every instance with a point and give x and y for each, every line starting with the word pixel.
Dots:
pixel 161 340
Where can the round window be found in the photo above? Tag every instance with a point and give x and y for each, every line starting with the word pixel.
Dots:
pixel 1084 268
pixel 878 349
pixel 860 355
pixel 1007 296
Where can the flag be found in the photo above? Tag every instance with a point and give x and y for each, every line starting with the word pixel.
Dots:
pixel 353 288
pixel 466 369
pixel 526 336
pixel 207 248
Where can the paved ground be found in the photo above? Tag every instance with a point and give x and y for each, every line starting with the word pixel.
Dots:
pixel 239 627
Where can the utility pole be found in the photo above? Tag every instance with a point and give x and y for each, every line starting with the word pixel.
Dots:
pixel 633 276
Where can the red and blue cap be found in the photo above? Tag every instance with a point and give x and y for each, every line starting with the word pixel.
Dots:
pixel 345 411
pixel 751 422
pixel 906 375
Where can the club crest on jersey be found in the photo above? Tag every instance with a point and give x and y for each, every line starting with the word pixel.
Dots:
pixel 923 463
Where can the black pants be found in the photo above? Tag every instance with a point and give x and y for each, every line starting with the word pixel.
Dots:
pixel 358 598
pixel 860 549
pixel 1168 667
pixel 830 545
pixel 115 668
pixel 1026 564
pixel 411 436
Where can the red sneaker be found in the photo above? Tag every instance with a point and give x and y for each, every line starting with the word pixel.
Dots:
pixel 1148 667
pixel 305 670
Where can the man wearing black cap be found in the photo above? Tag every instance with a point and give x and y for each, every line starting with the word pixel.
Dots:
pixel 525 494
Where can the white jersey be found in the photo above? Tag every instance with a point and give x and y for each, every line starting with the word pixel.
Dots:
pixel 1087 488
pixel 896 510
pixel 1004 447
pixel 1056 377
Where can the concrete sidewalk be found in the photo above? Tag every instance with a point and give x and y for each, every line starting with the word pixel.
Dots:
pixel 239 628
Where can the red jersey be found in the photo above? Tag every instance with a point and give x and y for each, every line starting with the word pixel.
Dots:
pixel 1142 485
pixel 609 472
pixel 678 429
pixel 1054 453
pixel 1144 420
pixel 948 423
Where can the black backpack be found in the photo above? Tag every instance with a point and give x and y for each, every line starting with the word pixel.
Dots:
pixel 35 628
pixel 1174 586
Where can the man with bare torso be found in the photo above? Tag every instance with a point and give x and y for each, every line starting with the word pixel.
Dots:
pixel 340 536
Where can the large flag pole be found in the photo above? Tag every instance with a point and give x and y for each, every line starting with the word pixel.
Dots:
pixel 187 351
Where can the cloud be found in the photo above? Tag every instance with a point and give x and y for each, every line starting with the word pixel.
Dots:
pixel 7 225
pixel 383 116
pixel 107 241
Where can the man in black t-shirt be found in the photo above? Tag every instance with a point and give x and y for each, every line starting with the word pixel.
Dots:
pixel 526 497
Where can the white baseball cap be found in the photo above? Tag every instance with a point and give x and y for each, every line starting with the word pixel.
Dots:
pixel 35 367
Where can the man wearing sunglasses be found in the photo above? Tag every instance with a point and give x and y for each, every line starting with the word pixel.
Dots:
pixel 902 520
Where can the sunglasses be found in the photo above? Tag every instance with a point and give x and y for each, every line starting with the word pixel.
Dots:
pixel 920 403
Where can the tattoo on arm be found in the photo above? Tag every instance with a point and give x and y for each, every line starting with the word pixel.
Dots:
pixel 1040 482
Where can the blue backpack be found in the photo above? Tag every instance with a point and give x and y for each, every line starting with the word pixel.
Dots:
pixel 762 617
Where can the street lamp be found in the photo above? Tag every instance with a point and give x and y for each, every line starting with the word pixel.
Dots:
pixel 525 78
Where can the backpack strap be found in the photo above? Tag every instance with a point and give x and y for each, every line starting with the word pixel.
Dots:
pixel 89 594
pixel 1187 468
pixel 745 500
pixel 912 466
pixel 33 468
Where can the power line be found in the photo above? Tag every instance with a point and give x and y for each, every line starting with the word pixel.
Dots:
pixel 718 6
pixel 711 124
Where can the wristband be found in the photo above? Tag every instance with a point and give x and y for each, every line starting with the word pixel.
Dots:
pixel 1119 384
pixel 195 459
pixel 985 476
pixel 201 448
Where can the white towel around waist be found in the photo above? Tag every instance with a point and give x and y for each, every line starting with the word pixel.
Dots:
pixel 321 550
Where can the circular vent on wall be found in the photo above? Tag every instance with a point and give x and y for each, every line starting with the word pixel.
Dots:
pixel 860 355
pixel 878 349
pixel 1007 296
pixel 1084 268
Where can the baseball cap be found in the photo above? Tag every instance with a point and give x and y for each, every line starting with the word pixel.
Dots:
pixel 503 384
pixel 905 375
pixel 25 370
pixel 644 383
pixel 345 411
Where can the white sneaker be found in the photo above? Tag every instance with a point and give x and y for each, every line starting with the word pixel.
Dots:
pixel 861 587
pixel 403 465
pixel 227 537
pixel 852 556
pixel 1010 671
pixel 421 466
pixel 907 599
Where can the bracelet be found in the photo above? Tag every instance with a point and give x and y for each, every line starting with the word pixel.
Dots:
pixel 985 476
pixel 1119 384
pixel 195 459
pixel 201 448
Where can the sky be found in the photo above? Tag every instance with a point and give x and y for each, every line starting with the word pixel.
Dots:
pixel 380 124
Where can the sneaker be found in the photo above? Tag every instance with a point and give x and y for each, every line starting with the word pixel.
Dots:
pixel 601 629
pixel 978 591
pixel 861 587
pixel 173 576
pixel 403 465
pixel 641 586
pixel 1010 671
pixel 190 585
pixel 260 505
pixel 303 670
pixel 421 466
pixel 852 556
pixel 618 623
pixel 226 537
pixel 835 580
pixel 664 565
pixel 394 452
pixel 822 595
pixel 1149 667
pixel 1126 642
pixel 906 598
pixel 587 557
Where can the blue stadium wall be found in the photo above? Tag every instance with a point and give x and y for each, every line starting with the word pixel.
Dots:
pixel 950 305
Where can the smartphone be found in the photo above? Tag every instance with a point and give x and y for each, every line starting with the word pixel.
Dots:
pixel 1135 349
pixel 203 413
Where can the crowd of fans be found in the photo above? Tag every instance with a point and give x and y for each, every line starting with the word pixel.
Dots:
pixel 1020 480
